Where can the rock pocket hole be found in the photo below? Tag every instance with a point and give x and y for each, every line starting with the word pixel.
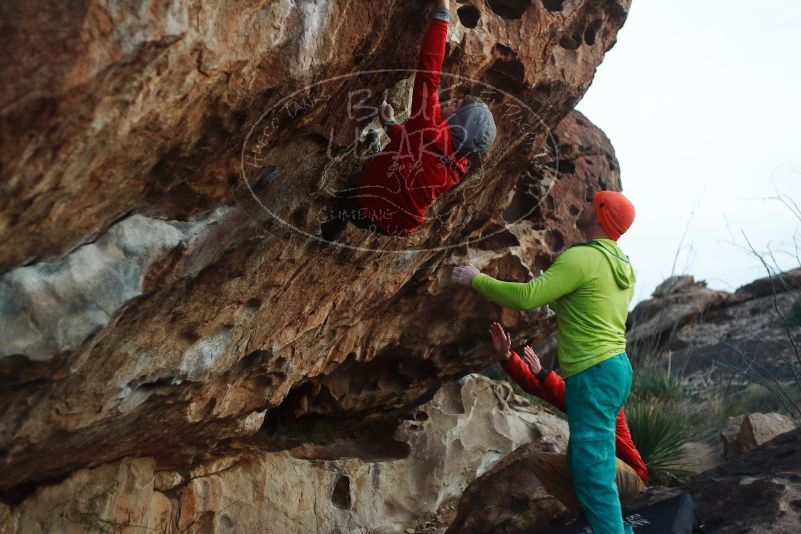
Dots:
pixel 509 9
pixel 341 494
pixel 591 32
pixel 468 16
pixel 553 5
pixel 521 205
pixel 253 304
pixel 570 42
pixel 555 240
pixel 255 359
pixel 611 163
pixel 566 167
pixel 507 75
pixel 501 239
pixel 189 335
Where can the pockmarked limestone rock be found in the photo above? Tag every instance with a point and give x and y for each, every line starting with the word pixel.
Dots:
pixel 164 169
pixel 745 432
pixel 460 434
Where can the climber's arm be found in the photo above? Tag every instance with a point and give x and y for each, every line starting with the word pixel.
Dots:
pixel 546 384
pixel 563 277
pixel 625 449
pixel 392 128
pixel 425 96
pixel 554 388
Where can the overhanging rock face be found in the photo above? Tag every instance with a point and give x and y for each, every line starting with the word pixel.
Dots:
pixel 160 289
pixel 382 482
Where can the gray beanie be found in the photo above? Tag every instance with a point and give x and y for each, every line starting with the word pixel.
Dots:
pixel 472 128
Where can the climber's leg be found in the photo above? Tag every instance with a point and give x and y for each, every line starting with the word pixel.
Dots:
pixel 593 398
pixel 629 483
pixel 552 471
pixel 345 209
pixel 332 228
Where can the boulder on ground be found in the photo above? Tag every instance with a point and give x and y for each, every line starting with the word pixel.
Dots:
pixel 757 492
pixel 509 498
pixel 745 432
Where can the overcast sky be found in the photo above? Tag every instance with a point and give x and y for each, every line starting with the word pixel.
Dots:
pixel 702 102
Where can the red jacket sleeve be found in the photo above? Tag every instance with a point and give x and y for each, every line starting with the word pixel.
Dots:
pixel 425 95
pixel 624 446
pixel 552 390
pixel 393 130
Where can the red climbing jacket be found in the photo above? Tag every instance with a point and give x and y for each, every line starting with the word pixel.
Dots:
pixel 413 170
pixel 552 390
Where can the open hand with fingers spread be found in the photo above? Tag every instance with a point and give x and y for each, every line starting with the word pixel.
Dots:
pixel 532 360
pixel 501 342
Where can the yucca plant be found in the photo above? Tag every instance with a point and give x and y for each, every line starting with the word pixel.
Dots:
pixel 658 431
pixel 658 385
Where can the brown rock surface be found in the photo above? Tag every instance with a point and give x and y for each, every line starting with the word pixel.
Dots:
pixel 675 302
pixel 745 432
pixel 150 307
pixel 715 337
pixel 507 492
pixel 758 492
pixel 114 110
pixel 459 434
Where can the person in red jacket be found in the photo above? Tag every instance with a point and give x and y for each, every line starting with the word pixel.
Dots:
pixel 426 156
pixel 551 468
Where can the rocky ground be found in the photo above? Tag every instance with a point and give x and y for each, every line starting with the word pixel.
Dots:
pixel 733 352
pixel 757 491
pixel 713 336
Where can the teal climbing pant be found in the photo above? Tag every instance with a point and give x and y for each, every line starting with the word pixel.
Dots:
pixel 594 397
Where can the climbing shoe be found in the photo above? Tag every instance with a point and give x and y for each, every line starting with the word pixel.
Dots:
pixel 372 140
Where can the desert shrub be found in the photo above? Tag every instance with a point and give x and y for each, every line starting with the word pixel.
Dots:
pixel 495 372
pixel 710 417
pixel 655 384
pixel 658 430
pixel 794 316
pixel 757 398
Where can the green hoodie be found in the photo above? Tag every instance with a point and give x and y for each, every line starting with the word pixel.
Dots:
pixel 590 287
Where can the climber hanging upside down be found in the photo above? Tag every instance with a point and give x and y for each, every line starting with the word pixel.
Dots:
pixel 426 156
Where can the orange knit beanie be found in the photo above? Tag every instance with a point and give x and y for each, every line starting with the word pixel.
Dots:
pixel 615 213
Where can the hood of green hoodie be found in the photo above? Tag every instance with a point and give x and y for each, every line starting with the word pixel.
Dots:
pixel 618 261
